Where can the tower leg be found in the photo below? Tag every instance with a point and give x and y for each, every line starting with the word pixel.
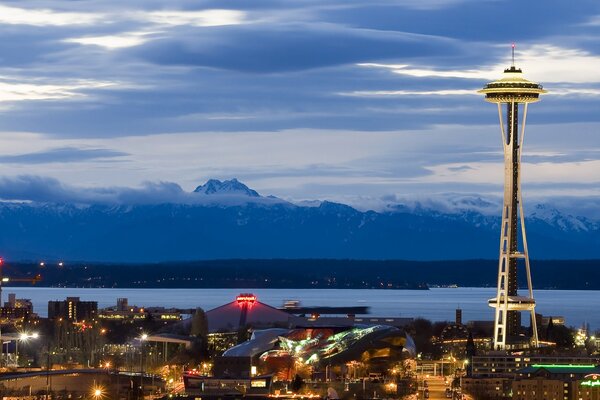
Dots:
pixel 534 337
pixel 507 321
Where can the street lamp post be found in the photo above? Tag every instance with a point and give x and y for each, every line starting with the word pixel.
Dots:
pixel 464 371
pixel 143 338
pixel 23 337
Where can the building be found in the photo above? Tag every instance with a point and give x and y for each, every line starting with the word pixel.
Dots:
pixel 73 309
pixel 229 388
pixel 495 375
pixel 516 93
pixel 16 310
pixel 487 388
pixel 557 382
pixel 283 352
pixel 130 313
pixel 245 311
pixel 506 365
pixel 399 322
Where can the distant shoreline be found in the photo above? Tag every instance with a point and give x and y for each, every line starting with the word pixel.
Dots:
pixel 304 274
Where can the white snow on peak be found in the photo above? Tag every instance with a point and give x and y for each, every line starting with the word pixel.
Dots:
pixel 228 187
pixel 563 221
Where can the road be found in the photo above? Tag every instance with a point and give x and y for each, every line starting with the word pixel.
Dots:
pixel 436 386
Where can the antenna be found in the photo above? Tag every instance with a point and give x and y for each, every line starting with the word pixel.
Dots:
pixel 513 54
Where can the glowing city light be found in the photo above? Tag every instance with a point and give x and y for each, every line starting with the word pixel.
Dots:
pixel 591 380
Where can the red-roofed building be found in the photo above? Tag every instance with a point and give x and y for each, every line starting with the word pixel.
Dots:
pixel 245 310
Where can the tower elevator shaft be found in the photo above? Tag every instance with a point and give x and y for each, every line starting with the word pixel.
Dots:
pixel 511 187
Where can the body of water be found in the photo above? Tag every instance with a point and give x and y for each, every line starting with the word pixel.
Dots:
pixel 577 306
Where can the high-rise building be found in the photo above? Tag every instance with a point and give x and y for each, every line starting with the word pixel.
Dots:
pixel 515 93
pixel 72 309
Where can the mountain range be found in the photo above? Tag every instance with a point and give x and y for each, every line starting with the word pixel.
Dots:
pixel 226 220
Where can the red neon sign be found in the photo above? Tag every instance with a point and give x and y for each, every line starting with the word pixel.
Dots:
pixel 246 298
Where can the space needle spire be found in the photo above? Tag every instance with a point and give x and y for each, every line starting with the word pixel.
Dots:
pixel 513 93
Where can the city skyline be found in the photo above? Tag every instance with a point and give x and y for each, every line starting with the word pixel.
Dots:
pixel 308 100
pixel 299 199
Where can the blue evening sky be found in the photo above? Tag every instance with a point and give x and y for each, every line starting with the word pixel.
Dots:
pixel 364 102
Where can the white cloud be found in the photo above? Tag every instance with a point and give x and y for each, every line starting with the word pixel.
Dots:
pixel 545 172
pixel 549 63
pixel 49 17
pixel 574 91
pixel 392 93
pixel 16 91
pixel 126 39
pixel 462 92
pixel 544 63
pixel 45 17
pixel 195 18
pixel 404 69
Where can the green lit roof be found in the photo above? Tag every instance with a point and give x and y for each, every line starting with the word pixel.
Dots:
pixel 550 366
pixel 562 368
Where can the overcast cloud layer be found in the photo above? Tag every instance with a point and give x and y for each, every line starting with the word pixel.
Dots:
pixel 361 102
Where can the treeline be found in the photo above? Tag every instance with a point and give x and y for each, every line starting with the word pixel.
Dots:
pixel 304 273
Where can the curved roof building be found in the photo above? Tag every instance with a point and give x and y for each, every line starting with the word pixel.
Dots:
pixel 367 344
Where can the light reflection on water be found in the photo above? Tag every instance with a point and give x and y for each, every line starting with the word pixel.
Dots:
pixel 438 304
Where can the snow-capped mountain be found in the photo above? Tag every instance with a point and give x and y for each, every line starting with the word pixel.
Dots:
pixel 254 226
pixel 228 187
pixel 566 222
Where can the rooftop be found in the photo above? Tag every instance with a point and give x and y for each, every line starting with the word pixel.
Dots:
pixel 562 369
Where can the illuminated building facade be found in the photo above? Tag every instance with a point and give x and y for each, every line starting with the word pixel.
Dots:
pixel 72 309
pixel 543 378
pixel 16 310
pixel 515 92
pixel 284 352
pixel 557 382
pixel 131 313
pixel 506 365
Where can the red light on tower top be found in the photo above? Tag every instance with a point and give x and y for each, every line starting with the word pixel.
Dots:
pixel 513 54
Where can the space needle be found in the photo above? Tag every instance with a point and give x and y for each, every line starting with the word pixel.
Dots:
pixel 514 92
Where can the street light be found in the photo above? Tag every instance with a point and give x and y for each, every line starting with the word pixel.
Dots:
pixel 97 392
pixel 463 372
pixel 23 337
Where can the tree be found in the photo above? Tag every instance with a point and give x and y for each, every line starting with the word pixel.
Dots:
pixel 243 334
pixel 549 329
pixel 199 324
pixel 562 336
pixel 422 331
pixel 297 383
pixel 199 331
